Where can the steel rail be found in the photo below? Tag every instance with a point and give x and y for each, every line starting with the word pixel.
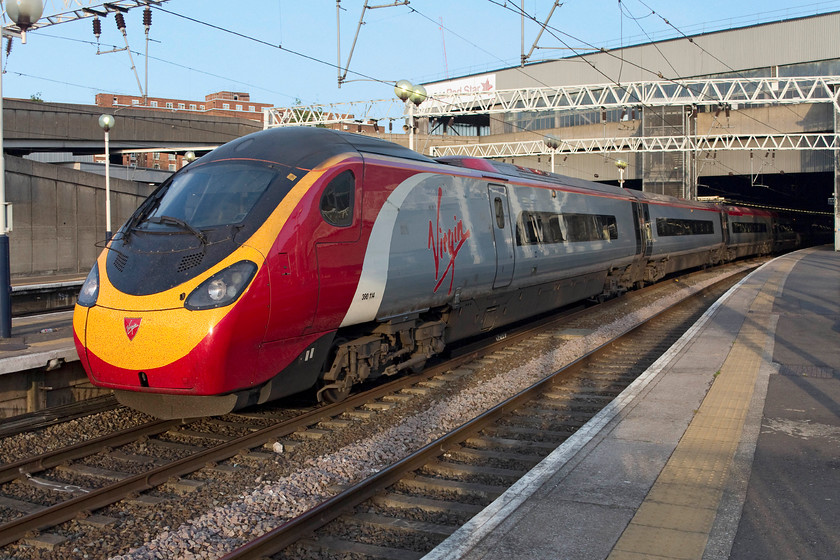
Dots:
pixel 55 415
pixel 290 532
pixel 67 510
pixel 307 523
pixel 31 465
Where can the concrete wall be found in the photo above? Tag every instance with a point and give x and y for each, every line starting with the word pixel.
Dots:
pixel 32 390
pixel 59 216
pixel 32 126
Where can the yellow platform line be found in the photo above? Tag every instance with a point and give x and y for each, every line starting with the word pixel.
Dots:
pixel 676 518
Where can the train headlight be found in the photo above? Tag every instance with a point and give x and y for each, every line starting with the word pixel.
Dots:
pixel 90 289
pixel 223 288
pixel 217 289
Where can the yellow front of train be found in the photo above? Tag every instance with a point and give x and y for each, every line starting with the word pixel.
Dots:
pixel 173 315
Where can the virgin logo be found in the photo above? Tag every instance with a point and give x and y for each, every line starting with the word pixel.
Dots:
pixel 132 324
pixel 447 243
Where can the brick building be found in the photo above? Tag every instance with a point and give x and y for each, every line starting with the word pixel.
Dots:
pixel 222 103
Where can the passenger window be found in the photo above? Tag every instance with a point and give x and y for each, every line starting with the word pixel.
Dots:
pixel 500 213
pixel 337 200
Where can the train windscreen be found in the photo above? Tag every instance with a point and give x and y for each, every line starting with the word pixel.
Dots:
pixel 212 195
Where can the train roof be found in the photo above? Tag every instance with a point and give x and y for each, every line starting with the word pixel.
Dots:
pixel 511 170
pixel 306 147
pixel 372 145
pixel 516 171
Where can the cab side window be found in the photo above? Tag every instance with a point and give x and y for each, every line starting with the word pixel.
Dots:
pixel 337 200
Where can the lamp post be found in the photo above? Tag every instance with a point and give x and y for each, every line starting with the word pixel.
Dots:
pixel 24 13
pixel 413 96
pixel 622 165
pixel 106 122
pixel 552 142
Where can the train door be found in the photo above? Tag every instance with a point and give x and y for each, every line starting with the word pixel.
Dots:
pixel 338 249
pixel 638 227
pixel 724 226
pixel 502 235
pixel 647 232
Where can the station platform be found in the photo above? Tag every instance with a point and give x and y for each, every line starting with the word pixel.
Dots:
pixel 40 367
pixel 727 447
pixel 45 282
pixel 38 339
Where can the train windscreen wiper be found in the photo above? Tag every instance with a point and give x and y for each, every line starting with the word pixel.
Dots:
pixel 171 220
pixel 149 206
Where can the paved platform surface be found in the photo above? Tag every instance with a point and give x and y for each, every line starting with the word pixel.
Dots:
pixel 44 282
pixel 36 341
pixel 727 447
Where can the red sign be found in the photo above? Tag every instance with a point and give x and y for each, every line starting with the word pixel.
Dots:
pixel 132 324
pixel 448 243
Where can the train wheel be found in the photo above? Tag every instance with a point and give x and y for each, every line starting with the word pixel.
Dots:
pixel 335 394
pixel 332 391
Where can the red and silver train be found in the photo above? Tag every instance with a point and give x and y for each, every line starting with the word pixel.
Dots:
pixel 297 257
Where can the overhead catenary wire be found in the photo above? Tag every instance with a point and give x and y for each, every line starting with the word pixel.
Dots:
pixel 626 12
pixel 660 75
pixel 273 45
pixel 521 70
pixel 551 30
pixel 309 57
pixel 583 56
pixel 372 78
pixel 554 32
pixel 257 40
pixel 155 58
pixel 719 60
pixel 518 69
pixel 705 51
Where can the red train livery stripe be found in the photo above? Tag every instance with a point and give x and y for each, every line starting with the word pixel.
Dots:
pixel 317 278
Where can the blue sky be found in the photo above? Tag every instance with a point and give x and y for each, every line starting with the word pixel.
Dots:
pixel 189 58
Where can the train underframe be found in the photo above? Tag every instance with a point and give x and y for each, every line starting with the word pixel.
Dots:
pixel 409 341
pixel 363 352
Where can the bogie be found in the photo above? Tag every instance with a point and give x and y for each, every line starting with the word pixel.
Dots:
pixel 365 259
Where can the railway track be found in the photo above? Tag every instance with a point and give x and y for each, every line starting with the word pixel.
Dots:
pixel 189 449
pixel 189 445
pixel 404 511
pixel 477 469
pixel 55 415
pixel 40 298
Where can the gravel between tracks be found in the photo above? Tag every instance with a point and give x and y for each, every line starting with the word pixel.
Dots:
pixel 229 511
pixel 225 527
pixel 40 441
